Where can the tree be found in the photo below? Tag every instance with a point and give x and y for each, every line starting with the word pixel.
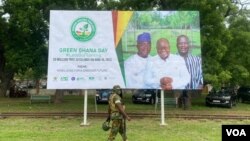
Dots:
pixel 4 72
pixel 237 58
pixel 26 33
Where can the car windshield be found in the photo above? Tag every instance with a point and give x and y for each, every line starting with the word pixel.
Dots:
pixel 105 93
pixel 221 93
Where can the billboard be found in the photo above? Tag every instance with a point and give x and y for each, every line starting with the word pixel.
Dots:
pixel 133 49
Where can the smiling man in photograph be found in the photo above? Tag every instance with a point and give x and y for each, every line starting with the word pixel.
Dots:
pixel 193 63
pixel 135 64
pixel 165 70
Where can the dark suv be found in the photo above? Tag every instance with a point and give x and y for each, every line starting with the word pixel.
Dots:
pixel 144 96
pixel 224 97
pixel 102 95
pixel 243 94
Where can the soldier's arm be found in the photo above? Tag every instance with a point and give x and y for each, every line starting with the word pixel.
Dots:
pixel 121 110
pixel 109 110
pixel 109 113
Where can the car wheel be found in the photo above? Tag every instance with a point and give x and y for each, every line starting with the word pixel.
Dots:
pixel 207 104
pixel 133 100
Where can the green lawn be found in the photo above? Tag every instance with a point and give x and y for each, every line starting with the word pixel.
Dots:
pixel 143 129
pixel 74 103
pixel 69 129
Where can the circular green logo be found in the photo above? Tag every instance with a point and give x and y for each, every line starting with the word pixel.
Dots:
pixel 83 29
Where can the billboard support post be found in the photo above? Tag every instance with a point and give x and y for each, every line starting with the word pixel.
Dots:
pixel 84 123
pixel 95 104
pixel 162 109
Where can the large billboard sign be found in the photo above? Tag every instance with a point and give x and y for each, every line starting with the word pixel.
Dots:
pixel 133 49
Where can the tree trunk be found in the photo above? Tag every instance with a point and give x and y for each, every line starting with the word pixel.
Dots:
pixel 3 89
pixel 5 79
pixel 37 86
pixel 58 96
pixel 3 85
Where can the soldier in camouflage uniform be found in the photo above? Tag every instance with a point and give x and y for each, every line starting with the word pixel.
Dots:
pixel 117 114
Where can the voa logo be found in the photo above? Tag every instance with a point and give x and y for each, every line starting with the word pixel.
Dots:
pixel 236 132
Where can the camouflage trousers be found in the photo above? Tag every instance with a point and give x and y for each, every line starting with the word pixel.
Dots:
pixel 117 126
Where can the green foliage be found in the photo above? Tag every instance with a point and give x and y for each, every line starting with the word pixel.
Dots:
pixel 224 76
pixel 237 58
pixel 28 74
pixel 240 75
pixel 48 5
pixel 210 78
pixel 27 32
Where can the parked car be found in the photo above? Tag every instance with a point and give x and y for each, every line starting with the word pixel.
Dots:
pixel 31 84
pixel 102 95
pixel 144 96
pixel 224 97
pixel 243 94
pixel 43 84
pixel 16 91
pixel 23 85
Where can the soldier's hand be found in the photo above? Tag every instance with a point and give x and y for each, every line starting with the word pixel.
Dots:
pixel 128 118
pixel 108 118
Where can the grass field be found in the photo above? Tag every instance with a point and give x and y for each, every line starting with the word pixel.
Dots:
pixel 74 103
pixel 143 129
pixel 69 129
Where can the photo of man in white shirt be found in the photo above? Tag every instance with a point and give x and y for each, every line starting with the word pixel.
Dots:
pixel 135 64
pixel 165 70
